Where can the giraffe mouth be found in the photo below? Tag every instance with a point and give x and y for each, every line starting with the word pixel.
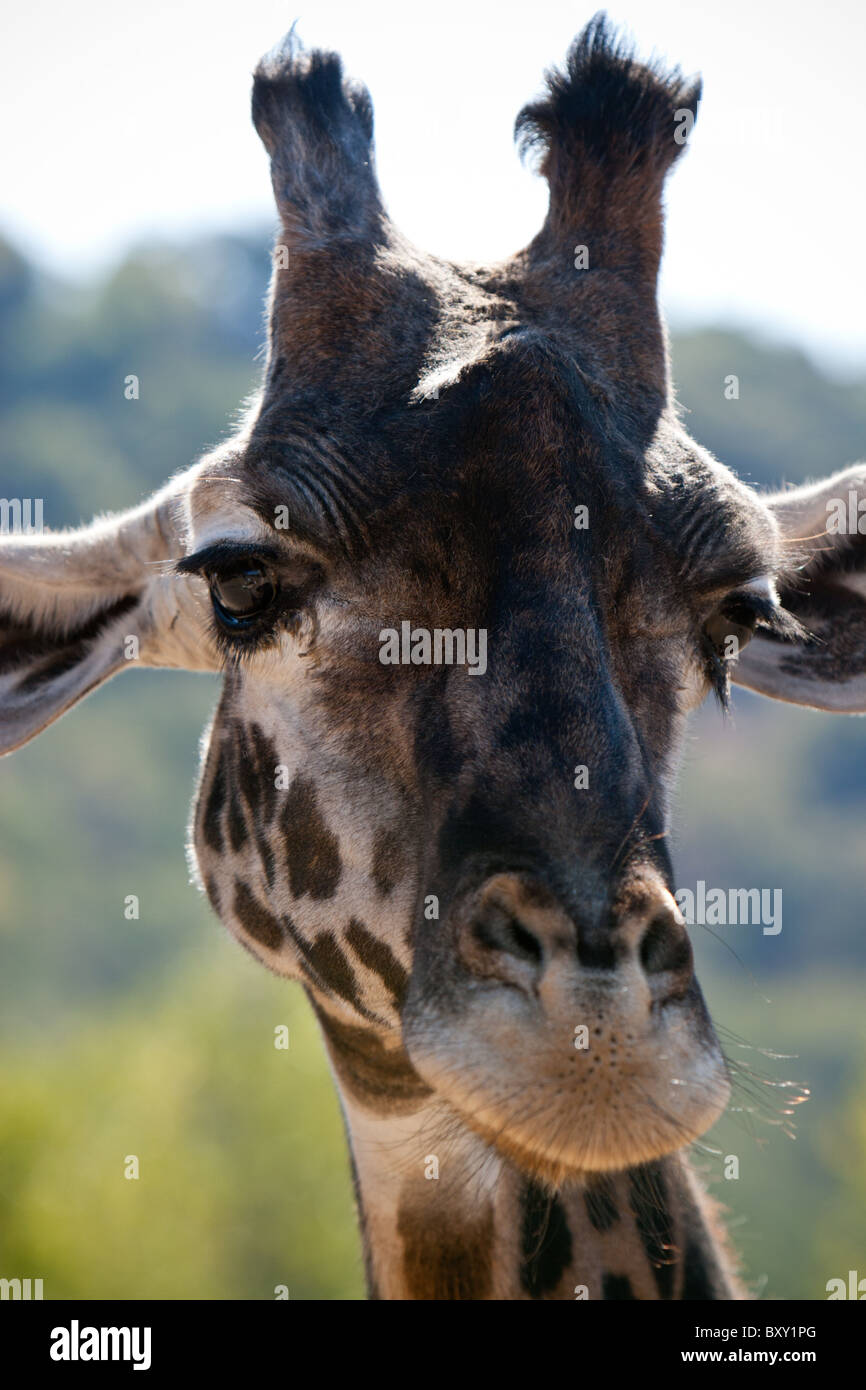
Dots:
pixel 647 1083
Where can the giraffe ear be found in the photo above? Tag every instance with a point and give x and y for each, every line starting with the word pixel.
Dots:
pixel 824 529
pixel 78 606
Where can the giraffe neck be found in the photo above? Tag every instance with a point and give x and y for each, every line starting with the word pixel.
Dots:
pixel 444 1216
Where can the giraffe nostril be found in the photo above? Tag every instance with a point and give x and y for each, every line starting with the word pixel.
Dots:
pixel 496 944
pixel 510 929
pixel 665 946
pixel 496 929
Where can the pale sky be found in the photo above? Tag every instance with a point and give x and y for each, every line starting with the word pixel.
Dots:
pixel 129 120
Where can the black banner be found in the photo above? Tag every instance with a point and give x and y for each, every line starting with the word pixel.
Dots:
pixel 83 1339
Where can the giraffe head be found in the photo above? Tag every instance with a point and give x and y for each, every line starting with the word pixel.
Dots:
pixel 465 575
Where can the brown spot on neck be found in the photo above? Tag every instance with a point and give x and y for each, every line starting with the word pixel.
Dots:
pixel 445 1256
pixel 379 1078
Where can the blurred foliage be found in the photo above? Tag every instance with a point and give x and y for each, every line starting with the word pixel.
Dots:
pixel 242 1180
pixel 155 1037
pixel 789 423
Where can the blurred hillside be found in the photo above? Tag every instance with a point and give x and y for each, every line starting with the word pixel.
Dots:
pixel 155 1037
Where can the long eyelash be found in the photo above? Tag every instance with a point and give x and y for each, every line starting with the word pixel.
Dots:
pixel 237 649
pixel 718 673
pixel 776 622
pixel 218 556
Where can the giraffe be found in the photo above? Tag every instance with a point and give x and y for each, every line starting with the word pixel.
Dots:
pixel 464 863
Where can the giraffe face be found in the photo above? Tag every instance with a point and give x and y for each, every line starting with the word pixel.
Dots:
pixel 468 858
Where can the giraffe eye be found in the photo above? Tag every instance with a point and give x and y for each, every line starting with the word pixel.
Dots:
pixel 242 596
pixel 731 628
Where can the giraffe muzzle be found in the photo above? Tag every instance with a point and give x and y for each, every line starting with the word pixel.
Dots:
pixel 574 1042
